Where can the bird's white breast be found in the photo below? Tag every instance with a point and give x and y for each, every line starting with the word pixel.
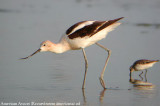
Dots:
pixel 139 67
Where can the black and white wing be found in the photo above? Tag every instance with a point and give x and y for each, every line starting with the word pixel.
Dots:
pixel 88 28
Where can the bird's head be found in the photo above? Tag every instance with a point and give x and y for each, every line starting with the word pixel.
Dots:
pixel 45 46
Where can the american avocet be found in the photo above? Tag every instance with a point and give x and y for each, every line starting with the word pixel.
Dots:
pixel 80 36
pixel 142 64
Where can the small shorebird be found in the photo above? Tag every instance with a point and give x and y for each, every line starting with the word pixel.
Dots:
pixel 80 36
pixel 142 64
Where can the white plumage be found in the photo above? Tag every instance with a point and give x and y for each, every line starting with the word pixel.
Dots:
pixel 80 36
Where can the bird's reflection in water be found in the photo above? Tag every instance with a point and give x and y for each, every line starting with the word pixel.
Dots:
pixel 84 97
pixel 102 96
pixel 140 84
pixel 102 93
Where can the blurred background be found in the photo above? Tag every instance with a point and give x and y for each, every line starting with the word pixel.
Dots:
pixel 48 77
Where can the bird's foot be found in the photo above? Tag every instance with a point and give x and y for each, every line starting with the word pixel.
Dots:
pixel 102 82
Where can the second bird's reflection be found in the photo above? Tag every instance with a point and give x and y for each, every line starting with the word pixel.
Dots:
pixel 140 84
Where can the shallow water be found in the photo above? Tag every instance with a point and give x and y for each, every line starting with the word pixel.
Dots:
pixel 51 78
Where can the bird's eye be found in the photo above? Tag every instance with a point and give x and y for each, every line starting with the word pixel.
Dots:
pixel 44 44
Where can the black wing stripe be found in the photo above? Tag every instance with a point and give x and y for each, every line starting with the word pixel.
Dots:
pixel 73 27
pixel 87 30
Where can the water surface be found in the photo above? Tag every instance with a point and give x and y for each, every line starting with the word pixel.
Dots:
pixel 48 77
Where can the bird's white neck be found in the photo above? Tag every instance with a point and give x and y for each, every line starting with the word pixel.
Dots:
pixel 60 47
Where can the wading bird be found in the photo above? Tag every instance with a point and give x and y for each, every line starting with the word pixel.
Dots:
pixel 80 36
pixel 142 64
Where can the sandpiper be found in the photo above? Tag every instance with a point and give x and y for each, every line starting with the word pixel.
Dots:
pixel 80 36
pixel 142 64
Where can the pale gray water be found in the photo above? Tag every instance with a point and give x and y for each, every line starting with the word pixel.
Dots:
pixel 48 77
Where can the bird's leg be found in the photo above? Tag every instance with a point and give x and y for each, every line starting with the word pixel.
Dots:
pixel 86 68
pixel 102 73
pixel 141 73
pixel 141 78
pixel 146 75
